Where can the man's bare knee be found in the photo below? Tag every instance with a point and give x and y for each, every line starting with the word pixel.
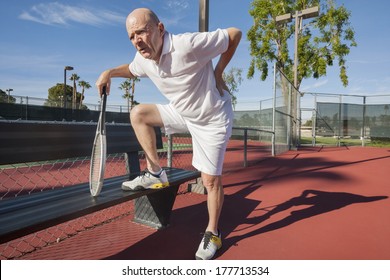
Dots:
pixel 147 114
pixel 137 114
pixel 211 182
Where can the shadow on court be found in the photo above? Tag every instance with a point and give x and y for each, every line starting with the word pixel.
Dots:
pixel 180 240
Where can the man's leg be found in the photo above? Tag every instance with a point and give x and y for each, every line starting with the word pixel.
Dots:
pixel 211 241
pixel 215 198
pixel 144 118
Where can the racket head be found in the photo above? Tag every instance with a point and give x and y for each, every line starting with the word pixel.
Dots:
pixel 98 161
pixel 99 152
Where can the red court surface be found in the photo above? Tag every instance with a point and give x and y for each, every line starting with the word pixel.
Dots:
pixel 315 203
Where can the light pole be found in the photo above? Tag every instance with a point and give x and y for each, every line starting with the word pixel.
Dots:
pixel 65 69
pixel 203 15
pixel 299 16
pixel 9 93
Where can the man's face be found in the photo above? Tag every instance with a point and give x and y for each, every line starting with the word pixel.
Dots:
pixel 146 36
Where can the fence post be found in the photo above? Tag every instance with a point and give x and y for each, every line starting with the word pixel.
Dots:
pixel 260 120
pixel 290 119
pixel 26 107
pixel 170 150
pixel 273 115
pixel 299 118
pixel 340 120
pixel 364 122
pixel 245 147
pixel 314 122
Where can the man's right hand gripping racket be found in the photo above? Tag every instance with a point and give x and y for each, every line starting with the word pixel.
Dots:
pixel 99 151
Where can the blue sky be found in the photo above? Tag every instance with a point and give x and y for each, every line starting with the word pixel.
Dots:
pixel 38 38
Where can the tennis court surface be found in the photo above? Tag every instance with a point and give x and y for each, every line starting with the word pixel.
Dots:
pixel 314 203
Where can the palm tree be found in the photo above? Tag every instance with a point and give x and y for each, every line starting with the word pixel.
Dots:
pixel 74 78
pixel 126 85
pixel 84 85
pixel 132 101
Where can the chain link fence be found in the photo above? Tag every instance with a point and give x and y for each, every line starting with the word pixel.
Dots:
pixel 336 119
pixel 25 179
pixel 274 120
pixel 40 109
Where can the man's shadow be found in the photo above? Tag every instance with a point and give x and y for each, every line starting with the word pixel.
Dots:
pixel 319 202
pixel 181 239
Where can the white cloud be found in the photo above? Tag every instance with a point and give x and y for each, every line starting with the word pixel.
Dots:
pixel 177 5
pixel 177 12
pixel 59 14
pixel 316 85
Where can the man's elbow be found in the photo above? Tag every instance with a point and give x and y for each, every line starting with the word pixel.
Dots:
pixel 235 34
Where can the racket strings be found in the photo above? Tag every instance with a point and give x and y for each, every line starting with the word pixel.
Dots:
pixel 99 152
pixel 96 164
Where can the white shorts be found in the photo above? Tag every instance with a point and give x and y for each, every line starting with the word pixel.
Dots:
pixel 209 141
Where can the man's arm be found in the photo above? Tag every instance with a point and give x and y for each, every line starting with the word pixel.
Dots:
pixel 121 71
pixel 234 39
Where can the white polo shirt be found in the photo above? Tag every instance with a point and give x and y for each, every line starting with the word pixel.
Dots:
pixel 185 74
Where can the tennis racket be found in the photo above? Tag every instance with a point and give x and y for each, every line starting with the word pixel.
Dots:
pixel 99 151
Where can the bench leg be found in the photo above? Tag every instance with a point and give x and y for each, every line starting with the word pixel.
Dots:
pixel 155 209
pixel 197 187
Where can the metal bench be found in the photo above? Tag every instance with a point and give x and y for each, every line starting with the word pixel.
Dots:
pixel 22 142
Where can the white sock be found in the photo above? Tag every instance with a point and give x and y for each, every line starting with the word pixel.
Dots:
pixel 156 174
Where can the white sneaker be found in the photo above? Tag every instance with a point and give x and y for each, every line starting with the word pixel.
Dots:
pixel 146 181
pixel 209 246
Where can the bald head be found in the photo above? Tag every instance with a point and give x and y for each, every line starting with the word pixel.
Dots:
pixel 141 15
pixel 146 32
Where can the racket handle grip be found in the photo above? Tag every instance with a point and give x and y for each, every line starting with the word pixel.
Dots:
pixel 104 99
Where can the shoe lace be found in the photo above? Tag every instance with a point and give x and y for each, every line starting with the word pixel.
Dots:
pixel 206 240
pixel 143 174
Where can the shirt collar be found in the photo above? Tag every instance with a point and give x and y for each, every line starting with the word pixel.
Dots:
pixel 167 45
